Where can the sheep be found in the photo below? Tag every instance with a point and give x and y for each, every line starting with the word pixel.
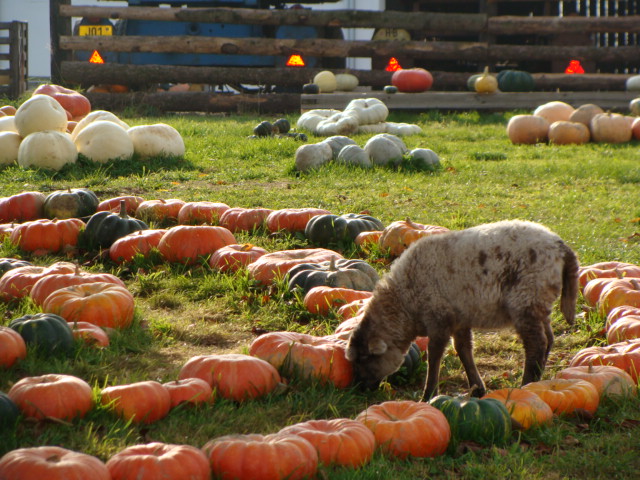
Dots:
pixel 489 276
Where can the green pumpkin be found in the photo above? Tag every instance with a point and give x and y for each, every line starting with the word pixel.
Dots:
pixel 310 89
pixel 263 129
pixel 515 81
pixel 410 368
pixel 104 228
pixel 282 125
pixel 471 82
pixel 345 273
pixel 484 421
pixel 47 332
pixel 9 411
pixel 328 229
pixel 70 203
pixel 7 264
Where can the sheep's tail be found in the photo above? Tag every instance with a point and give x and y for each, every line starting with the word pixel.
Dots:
pixel 569 295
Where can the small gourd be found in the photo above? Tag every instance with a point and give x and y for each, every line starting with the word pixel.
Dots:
pixel 633 84
pixel 326 81
pixel 310 89
pixel 282 125
pixel 486 83
pixel 390 89
pixel 263 129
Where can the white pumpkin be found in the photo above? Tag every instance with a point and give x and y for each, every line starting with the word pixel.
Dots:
pixel 528 129
pixel 38 113
pixel 338 124
pixel 569 133
pixel 8 124
pixel 309 120
pixel 49 149
pixel 634 107
pixel 326 81
pixel 584 113
pixel 95 116
pixel 367 110
pixel 610 128
pixel 403 129
pixel 346 82
pixel 155 140
pixel 102 140
pixel 383 150
pixel 555 111
pixel 425 158
pixel 337 143
pixel 9 145
pixel 633 83
pixel 312 155
pixel 354 155
pixel 397 140
pixel 373 128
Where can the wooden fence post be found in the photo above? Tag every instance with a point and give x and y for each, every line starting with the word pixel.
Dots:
pixel 18 67
pixel 58 26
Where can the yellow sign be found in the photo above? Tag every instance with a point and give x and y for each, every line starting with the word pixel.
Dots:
pixel 399 34
pixel 95 30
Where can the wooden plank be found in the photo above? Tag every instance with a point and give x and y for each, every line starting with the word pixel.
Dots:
pixel 615 101
pixel 515 25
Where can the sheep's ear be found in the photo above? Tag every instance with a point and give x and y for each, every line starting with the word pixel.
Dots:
pixel 377 346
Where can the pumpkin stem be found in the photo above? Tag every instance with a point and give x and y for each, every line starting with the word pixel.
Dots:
pixel 485 73
pixel 246 247
pixel 635 283
pixel 123 209
pixel 332 265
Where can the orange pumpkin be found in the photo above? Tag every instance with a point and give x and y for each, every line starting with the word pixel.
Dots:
pixel 526 408
pixel 625 328
pixel 6 229
pixel 275 265
pixel 292 219
pixel 131 203
pixel 89 333
pixel 18 282
pixel 397 236
pixel 159 461
pixel 52 396
pixel 141 242
pixel 624 355
pixel 22 207
pixel 620 292
pixel 342 442
pixel 232 258
pixel 233 376
pixel 201 213
pixel 566 395
pixel 607 269
pixel 620 312
pixel 101 303
pixel 527 129
pixel 73 102
pixel 366 239
pixel 352 309
pixel 320 300
pixel 50 283
pixel 607 379
pixel 160 212
pixel 262 457
pixel 12 347
pixel 47 236
pixel 187 243
pixel 51 463
pixel 193 391
pixel 302 355
pixel 406 428
pixel 239 219
pixel 141 402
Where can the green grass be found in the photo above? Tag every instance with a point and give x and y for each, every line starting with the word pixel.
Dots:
pixel 587 194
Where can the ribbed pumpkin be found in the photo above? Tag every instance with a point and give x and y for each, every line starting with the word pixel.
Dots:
pixel 187 244
pixel 113 204
pixel 484 421
pixel 45 332
pixel 201 213
pixel 22 207
pixel 346 273
pixel 526 408
pixel 89 334
pixel 397 237
pixel 618 293
pixel 232 258
pixel 624 355
pixel 51 463
pixel 326 230
pixel 140 402
pixel 239 219
pixel 193 391
pixel 625 328
pixel 159 461
pixel 515 81
pixel 70 203
pixel 160 212
pixel 12 347
pixel 304 356
pixel 101 303
pixel 233 376
pixel 52 396
pixel 47 236
pixel 406 428
pixel 7 264
pixel 620 312
pixel 339 442
pixel 607 269
pixel 104 228
pixel 292 219
pixel 607 379
pixel 566 395
pixel 18 282
pixel 275 265
pixel 320 300
pixel 141 242
pixel 262 457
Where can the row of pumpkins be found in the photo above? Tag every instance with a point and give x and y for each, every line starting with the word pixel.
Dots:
pixel 56 124
pixel 561 124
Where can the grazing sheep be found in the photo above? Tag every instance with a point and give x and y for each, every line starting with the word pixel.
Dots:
pixel 489 276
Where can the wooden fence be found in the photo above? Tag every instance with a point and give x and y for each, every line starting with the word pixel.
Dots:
pixel 13 80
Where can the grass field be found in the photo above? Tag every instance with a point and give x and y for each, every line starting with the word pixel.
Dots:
pixel 587 194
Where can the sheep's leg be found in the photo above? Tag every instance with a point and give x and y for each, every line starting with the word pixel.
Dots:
pixel 548 331
pixel 463 341
pixel 434 357
pixel 534 338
